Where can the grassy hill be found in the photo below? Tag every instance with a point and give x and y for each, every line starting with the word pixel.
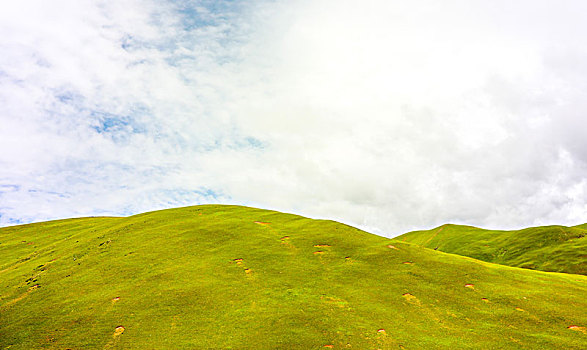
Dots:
pixel 227 277
pixel 546 248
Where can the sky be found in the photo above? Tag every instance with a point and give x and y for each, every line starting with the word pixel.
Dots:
pixel 383 114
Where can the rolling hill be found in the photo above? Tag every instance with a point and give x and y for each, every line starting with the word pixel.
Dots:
pixel 546 248
pixel 229 277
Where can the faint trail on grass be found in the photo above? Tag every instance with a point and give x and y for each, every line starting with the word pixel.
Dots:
pixel 434 235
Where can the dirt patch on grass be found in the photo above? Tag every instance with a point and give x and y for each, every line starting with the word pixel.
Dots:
pixel 118 331
pixel 411 299
pixel 115 337
pixel 240 262
pixel 286 242
pixel 578 329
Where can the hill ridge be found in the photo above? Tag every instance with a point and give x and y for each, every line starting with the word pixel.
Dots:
pixel 551 248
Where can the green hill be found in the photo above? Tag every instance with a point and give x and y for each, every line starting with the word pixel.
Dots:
pixel 546 248
pixel 228 277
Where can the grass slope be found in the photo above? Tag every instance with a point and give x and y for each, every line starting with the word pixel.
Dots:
pixel 169 280
pixel 546 248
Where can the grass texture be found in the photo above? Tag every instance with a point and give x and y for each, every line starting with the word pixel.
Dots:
pixel 229 277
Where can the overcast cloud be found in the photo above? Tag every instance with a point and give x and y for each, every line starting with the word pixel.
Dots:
pixel 388 115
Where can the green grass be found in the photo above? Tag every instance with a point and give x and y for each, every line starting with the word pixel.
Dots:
pixel 180 288
pixel 545 248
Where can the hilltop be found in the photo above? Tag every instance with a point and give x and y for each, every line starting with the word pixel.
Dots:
pixel 546 248
pixel 228 277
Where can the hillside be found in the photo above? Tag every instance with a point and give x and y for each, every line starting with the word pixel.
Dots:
pixel 227 277
pixel 545 248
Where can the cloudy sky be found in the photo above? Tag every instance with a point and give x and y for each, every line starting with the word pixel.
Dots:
pixel 385 114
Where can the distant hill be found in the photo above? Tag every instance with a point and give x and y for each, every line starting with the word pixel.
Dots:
pixel 546 248
pixel 228 277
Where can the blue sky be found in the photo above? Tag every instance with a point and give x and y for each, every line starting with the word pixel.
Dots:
pixel 388 115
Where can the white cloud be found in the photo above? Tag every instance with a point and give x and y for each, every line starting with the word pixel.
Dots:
pixel 384 114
